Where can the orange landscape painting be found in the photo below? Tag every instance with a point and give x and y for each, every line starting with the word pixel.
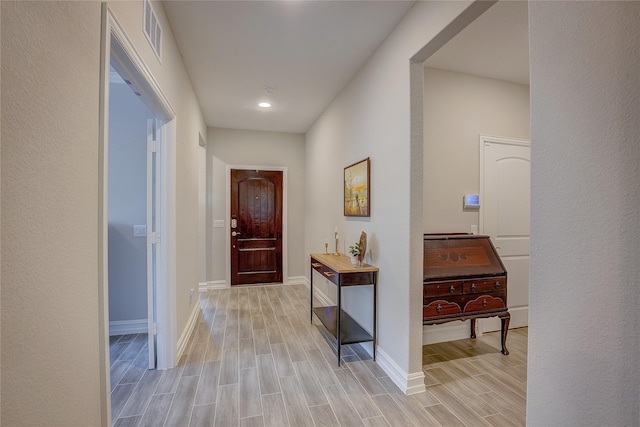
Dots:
pixel 356 189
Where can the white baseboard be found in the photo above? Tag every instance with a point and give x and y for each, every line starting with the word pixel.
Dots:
pixel 407 383
pixel 519 319
pixel 456 330
pixel 212 285
pixel 432 334
pixel 323 298
pixel 222 284
pixel 125 327
pixel 297 280
pixel 188 330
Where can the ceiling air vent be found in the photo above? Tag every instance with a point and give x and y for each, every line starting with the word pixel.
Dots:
pixel 152 29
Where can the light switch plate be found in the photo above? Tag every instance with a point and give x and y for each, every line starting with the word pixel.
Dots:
pixel 218 223
pixel 139 231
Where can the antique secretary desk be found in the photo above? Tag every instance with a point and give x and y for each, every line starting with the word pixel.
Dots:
pixel 464 278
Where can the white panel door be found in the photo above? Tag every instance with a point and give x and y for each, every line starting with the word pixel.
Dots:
pixel 505 166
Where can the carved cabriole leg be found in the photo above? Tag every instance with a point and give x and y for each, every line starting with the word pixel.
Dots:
pixel 505 318
pixel 473 328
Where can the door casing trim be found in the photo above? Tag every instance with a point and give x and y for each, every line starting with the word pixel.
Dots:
pixel 285 250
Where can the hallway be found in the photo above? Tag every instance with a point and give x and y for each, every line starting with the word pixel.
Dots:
pixel 254 360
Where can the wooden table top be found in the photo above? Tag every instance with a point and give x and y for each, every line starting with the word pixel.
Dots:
pixel 342 263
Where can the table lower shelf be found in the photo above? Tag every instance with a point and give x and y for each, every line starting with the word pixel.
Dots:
pixel 351 331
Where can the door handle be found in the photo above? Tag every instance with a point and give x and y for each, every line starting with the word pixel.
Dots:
pixel 235 233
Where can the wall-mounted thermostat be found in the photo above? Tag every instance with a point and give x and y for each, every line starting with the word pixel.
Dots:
pixel 471 201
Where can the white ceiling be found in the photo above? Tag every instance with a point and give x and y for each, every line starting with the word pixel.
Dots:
pixel 495 45
pixel 307 51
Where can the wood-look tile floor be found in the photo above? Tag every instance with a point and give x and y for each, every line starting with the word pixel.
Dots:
pixel 255 360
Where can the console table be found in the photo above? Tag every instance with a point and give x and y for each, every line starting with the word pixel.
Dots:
pixel 339 271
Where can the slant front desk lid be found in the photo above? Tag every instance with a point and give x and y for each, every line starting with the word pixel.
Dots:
pixel 450 256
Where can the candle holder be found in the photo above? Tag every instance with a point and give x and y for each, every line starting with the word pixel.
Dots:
pixel 336 252
pixel 326 247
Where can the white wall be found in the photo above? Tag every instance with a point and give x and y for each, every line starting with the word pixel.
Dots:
pixel 50 173
pixel 127 204
pixel 50 340
pixel 371 118
pixel 458 107
pixel 584 345
pixel 0 215
pixel 252 148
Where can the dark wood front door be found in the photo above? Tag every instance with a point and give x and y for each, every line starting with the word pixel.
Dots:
pixel 256 226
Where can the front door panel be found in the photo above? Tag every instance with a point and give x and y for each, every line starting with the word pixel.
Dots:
pixel 256 226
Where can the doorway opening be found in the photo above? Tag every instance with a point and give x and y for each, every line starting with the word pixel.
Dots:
pixel 466 97
pixel 475 35
pixel 131 212
pixel 137 205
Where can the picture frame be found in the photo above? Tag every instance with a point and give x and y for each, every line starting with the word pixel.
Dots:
pixel 357 189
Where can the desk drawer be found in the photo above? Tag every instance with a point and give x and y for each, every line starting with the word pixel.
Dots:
pixel 464 304
pixel 442 289
pixel 360 278
pixel 482 286
pixel 317 266
pixel 486 302
pixel 440 307
pixel 325 271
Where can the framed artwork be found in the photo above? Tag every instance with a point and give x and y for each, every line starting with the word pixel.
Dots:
pixel 357 189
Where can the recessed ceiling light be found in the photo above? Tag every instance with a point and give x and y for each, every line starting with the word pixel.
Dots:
pixel 264 105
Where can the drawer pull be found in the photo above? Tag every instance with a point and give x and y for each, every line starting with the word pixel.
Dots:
pixel 484 302
pixel 439 308
pixel 328 273
pixel 473 287
pixel 452 289
pixel 497 285
pixel 315 264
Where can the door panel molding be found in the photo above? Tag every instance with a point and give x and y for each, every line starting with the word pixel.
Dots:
pixel 484 139
pixel 285 252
